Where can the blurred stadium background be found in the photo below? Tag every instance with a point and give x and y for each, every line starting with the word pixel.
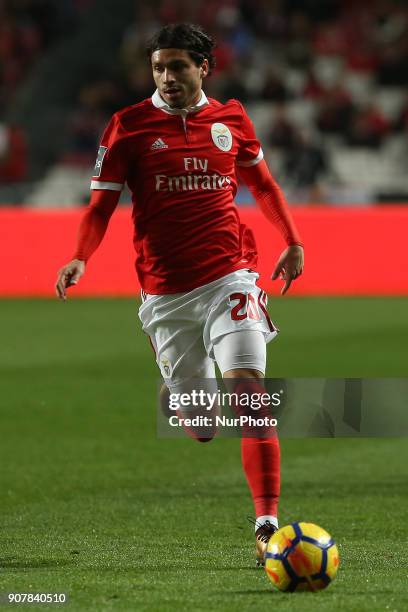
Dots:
pixel 325 82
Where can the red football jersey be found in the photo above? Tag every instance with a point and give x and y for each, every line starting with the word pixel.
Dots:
pixel 180 166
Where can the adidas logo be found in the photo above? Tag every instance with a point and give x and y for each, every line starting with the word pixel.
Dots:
pixel 159 144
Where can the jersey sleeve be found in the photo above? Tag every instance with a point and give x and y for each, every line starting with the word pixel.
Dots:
pixel 111 163
pixel 250 152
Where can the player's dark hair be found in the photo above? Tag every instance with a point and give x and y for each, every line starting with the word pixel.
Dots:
pixel 187 36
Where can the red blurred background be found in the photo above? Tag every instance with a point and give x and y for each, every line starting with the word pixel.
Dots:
pixel 359 251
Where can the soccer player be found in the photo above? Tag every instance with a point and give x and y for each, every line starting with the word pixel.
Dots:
pixel 179 153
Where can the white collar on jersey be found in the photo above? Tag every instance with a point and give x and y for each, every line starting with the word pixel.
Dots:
pixel 158 102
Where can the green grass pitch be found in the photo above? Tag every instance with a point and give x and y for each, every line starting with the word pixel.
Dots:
pixel 93 504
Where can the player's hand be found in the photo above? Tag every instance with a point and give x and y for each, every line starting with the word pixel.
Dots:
pixel 289 266
pixel 69 275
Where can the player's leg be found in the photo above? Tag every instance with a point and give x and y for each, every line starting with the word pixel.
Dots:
pixel 200 413
pixel 241 358
pixel 164 397
pixel 176 338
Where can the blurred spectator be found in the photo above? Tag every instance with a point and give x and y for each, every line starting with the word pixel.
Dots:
pixel 274 88
pixel 318 10
pixel 233 84
pixel 389 29
pixel 232 30
pixel 135 37
pixel 13 154
pixel 336 109
pixel 388 21
pixel 283 132
pixel 139 84
pixel 27 27
pixel 367 127
pixel 330 39
pixel 298 50
pixel 312 87
pixel 267 19
pixel 19 45
pixel 305 164
pixel 392 69
pixel 401 123
pixel 97 102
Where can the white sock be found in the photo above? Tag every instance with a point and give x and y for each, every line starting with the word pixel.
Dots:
pixel 261 520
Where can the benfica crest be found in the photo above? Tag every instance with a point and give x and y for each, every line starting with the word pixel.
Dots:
pixel 165 366
pixel 222 137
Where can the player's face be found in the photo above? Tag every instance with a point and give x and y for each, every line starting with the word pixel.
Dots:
pixel 177 77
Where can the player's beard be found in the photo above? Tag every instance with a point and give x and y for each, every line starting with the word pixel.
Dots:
pixel 182 98
pixel 175 100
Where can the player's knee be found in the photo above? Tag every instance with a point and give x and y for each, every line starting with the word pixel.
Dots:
pixel 201 434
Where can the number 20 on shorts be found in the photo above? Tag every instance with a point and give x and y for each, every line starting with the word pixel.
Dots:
pixel 247 306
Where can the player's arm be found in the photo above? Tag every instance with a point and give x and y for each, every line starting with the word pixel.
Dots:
pixel 270 198
pixel 106 185
pixel 91 232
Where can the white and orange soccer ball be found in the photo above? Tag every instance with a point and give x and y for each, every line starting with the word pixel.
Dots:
pixel 301 557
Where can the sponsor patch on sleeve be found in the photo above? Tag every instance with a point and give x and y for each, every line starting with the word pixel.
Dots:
pixel 99 161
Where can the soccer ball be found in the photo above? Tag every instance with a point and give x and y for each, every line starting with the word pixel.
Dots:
pixel 301 557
